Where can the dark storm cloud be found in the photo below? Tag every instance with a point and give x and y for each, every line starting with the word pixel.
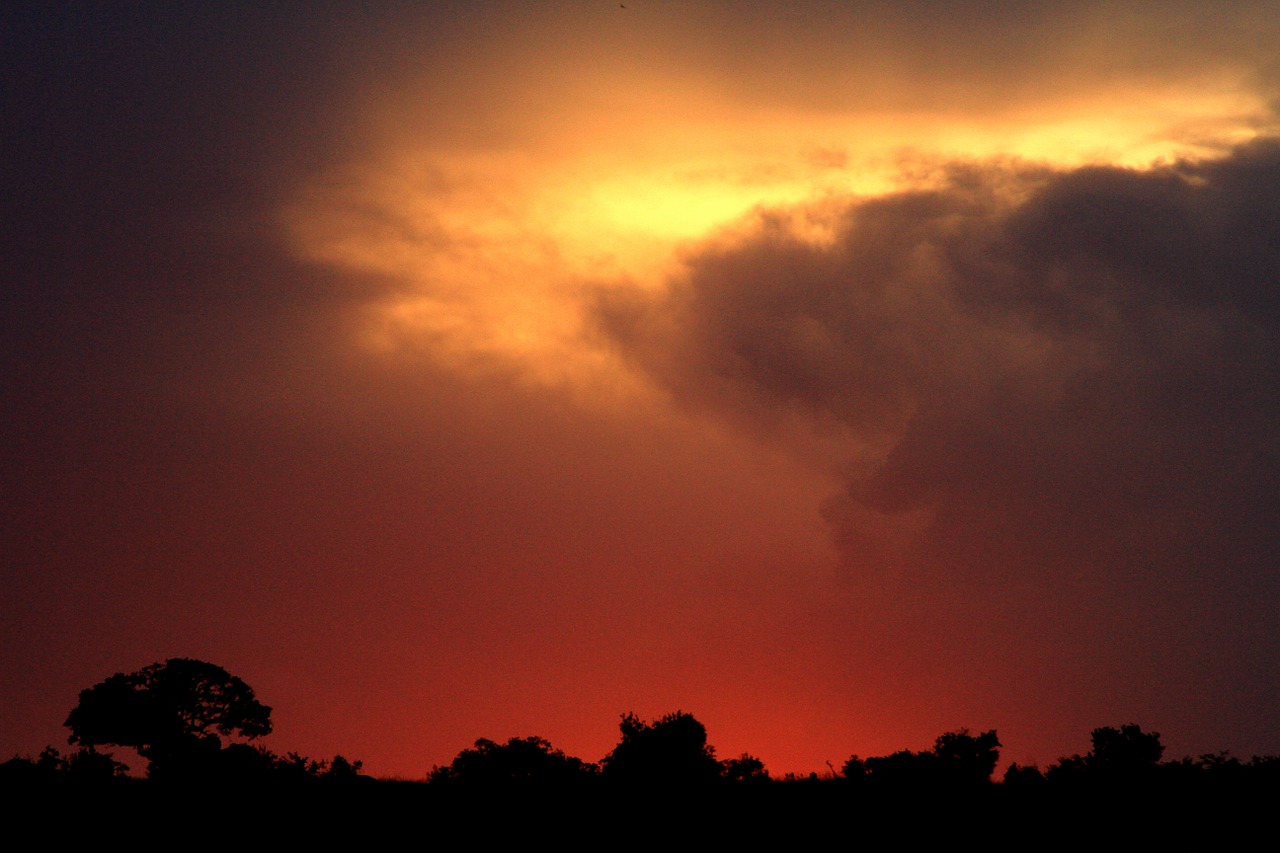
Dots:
pixel 1081 382
pixel 1058 396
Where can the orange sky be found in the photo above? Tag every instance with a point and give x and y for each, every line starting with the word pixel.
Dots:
pixel 593 146
pixel 841 373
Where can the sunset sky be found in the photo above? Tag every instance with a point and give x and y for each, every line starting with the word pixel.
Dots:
pixel 841 373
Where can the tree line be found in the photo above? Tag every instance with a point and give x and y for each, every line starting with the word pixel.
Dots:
pixel 195 723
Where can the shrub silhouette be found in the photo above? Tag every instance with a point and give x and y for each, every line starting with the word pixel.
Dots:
pixel 518 762
pixel 672 751
pixel 1118 755
pixel 1124 751
pixel 85 766
pixel 965 759
pixel 957 759
pixel 744 768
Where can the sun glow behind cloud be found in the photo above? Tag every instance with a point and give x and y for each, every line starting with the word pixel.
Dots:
pixel 494 247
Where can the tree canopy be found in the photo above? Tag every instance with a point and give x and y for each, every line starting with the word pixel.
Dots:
pixel 165 710
pixel 670 750
pixel 1127 749
pixel 957 759
pixel 519 761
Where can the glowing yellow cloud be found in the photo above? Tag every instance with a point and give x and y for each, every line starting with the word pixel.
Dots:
pixel 493 244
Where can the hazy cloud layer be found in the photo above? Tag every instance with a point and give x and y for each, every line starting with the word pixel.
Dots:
pixel 1059 394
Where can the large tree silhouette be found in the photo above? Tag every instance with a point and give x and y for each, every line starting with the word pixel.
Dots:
pixel 173 713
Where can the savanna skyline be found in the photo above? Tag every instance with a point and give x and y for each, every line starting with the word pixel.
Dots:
pixel 840 373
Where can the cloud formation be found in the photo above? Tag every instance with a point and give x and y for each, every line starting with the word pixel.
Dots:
pixel 1058 393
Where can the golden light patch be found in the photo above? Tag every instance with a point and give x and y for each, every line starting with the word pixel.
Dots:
pixel 496 249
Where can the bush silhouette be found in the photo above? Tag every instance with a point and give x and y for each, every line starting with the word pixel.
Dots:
pixel 672 751
pixel 518 762
pixel 1124 751
pixel 965 759
pixel 957 759
pixel 744 768
pixel 1120 755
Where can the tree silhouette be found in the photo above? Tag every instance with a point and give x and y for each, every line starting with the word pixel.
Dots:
pixel 1118 755
pixel 967 759
pixel 903 768
pixel 745 768
pixel 173 713
pixel 855 769
pixel 672 751
pixel 957 759
pixel 85 766
pixel 518 762
pixel 1023 776
pixel 1125 750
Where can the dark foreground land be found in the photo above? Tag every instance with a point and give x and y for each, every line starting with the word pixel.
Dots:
pixel 819 813
pixel 661 787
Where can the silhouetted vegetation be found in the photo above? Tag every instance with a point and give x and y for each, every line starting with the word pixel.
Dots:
pixel 671 750
pixel 1125 755
pixel 177 714
pixel 85 766
pixel 173 713
pixel 745 768
pixel 958 759
pixel 528 761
